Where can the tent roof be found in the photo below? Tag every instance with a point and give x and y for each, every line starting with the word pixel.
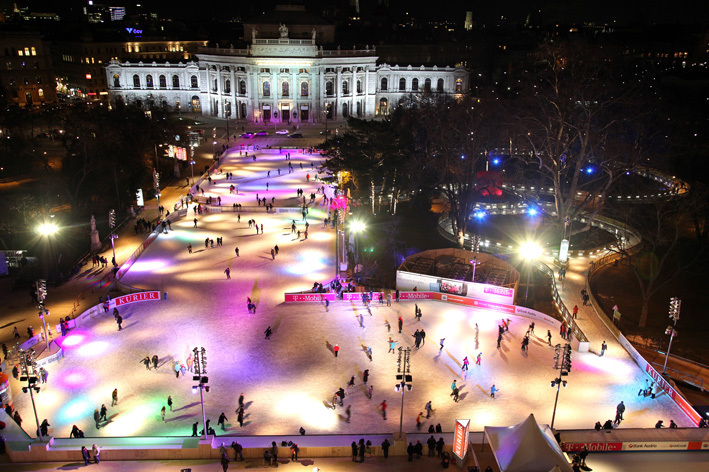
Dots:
pixel 526 447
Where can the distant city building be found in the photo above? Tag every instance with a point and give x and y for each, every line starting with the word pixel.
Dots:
pixel 282 75
pixel 468 20
pixel 117 13
pixel 26 76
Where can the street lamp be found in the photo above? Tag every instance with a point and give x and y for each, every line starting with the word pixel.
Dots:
pixel 49 229
pixel 30 375
pixel 357 227
pixel 404 379
pixel 156 184
pixel 41 292
pixel 562 362
pixel 675 304
pixel 530 251
pixel 114 236
pixel 200 375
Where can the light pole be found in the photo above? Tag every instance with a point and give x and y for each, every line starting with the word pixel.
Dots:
pixel 157 162
pixel 29 374
pixel 41 291
pixel 530 251
pixel 156 184
pixel 228 117
pixel 357 227
pixel 49 230
pixel 404 379
pixel 326 114
pixel 200 375
pixel 562 362
pixel 675 304
pixel 114 236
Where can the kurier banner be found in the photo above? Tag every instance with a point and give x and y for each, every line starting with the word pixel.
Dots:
pixel 460 440
pixel 137 297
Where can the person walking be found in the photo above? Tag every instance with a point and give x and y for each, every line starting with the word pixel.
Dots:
pixel 114 397
pixel 162 413
pixel 268 333
pixel 619 410
pixel 383 406
pixel 604 346
pixel 575 311
pixel 428 409
pixel 169 402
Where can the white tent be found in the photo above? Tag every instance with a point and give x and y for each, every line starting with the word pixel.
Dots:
pixel 526 447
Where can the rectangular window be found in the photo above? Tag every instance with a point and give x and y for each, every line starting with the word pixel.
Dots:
pixel 27 51
pixel 20 53
pixel 34 52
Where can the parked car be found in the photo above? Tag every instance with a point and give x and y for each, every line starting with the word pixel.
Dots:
pixel 328 131
pixel 247 135
pixel 262 133
pixel 295 135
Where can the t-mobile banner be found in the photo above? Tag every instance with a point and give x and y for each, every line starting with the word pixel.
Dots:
pixel 475 303
pixel 137 297
pixel 491 293
pixel 310 297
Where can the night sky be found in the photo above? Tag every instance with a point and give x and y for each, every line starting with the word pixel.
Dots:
pixel 490 12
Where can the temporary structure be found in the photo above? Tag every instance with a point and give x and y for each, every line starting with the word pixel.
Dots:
pixel 526 447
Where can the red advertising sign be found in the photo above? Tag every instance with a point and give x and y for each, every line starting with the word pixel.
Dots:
pixel 460 440
pixel 676 397
pixel 137 297
pixel 309 297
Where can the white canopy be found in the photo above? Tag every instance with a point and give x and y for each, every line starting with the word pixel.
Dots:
pixel 526 447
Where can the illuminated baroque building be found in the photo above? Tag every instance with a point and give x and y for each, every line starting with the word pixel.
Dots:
pixel 281 78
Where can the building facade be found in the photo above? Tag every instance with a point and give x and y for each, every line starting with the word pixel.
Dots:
pixel 26 75
pixel 280 80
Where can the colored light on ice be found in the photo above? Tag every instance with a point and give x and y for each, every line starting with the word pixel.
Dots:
pixel 147 265
pixel 76 409
pixel 93 349
pixel 75 378
pixel 309 410
pixel 73 340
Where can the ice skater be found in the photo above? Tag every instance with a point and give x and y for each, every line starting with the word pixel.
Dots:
pixel 268 332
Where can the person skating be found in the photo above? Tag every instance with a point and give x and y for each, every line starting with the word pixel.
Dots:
pixel 455 394
pixel 156 359
pixel 428 409
pixel 227 271
pixel 169 402
pixel 419 419
pixel 146 361
pixel 336 349
pixel 365 376
pixel 549 336
pixel 114 397
pixel 268 333
pixel 348 412
pixel 604 346
pixel 104 412
pixel 119 321
pixel 464 367
pixel 383 406
pixel 493 391
pixel 162 413
pixel 619 410
pixel 221 421
pixel 401 324
pixel 240 417
pixel 97 417
pixel 44 427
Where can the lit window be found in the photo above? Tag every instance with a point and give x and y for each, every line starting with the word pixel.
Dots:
pixel 27 51
pixel 40 92
pixel 34 52
pixel 20 53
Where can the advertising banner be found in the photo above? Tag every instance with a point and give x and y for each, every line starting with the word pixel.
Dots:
pixel 137 297
pixel 460 440
pixel 489 293
pixel 593 446
pixel 309 297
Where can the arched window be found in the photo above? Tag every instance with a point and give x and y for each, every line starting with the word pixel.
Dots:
pixel 116 80
pixel 149 81
pixel 175 82
pixel 242 107
pixel 439 87
pixel 214 85
pixel 345 87
pixel 242 88
pixel 136 81
pixel 458 85
pixel 193 82
pixel 285 89
pixel 359 109
pixel 345 110
pixel 402 84
pixel 267 89
pixel 383 106
pixel 163 81
pixel 384 85
pixel 427 85
pixel 415 85
pixel 227 86
pixel 359 86
pixel 40 92
pixel 328 88
pixel 303 89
